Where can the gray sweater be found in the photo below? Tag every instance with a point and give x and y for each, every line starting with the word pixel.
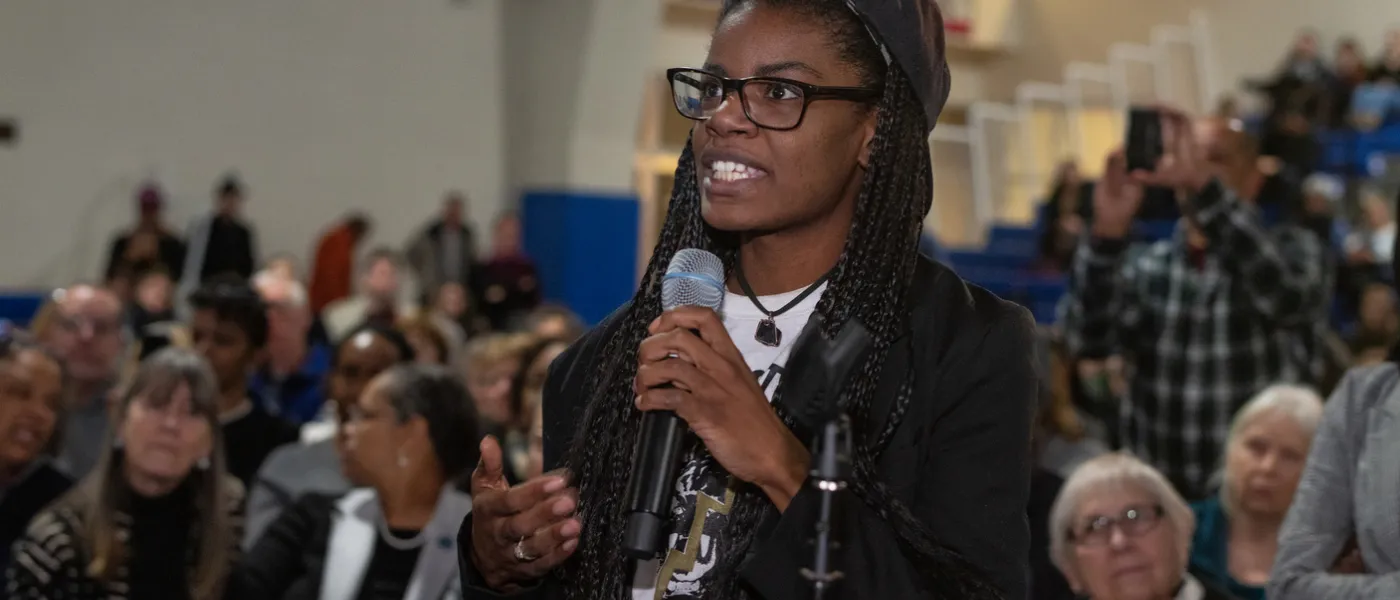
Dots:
pixel 288 473
pixel 1350 489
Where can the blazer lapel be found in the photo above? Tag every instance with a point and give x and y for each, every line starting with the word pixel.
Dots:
pixel 350 545
pixel 437 563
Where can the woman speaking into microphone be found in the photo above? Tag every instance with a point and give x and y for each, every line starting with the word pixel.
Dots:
pixel 808 174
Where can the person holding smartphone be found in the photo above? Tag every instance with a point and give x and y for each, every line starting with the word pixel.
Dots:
pixel 1207 318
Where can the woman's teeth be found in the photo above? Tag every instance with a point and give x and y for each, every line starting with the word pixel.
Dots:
pixel 723 170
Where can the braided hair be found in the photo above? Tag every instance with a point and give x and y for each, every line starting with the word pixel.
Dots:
pixel 870 282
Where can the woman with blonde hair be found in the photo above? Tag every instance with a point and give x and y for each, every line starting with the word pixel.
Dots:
pixel 159 499
pixel 1119 531
pixel 1237 531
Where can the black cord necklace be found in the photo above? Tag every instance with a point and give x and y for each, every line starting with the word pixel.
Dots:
pixel 768 333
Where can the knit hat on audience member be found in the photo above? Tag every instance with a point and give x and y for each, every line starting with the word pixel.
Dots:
pixel 149 196
pixel 911 33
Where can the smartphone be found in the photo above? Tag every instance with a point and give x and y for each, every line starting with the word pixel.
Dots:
pixel 1144 144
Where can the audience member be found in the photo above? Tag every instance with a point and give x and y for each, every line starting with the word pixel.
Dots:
pixel 1349 73
pixel 491 364
pixel 31 398
pixel 1376 316
pixel 87 336
pixel 290 381
pixel 1062 439
pixel 230 330
pixel 1207 318
pixel 430 346
pixel 333 266
pixel 221 242
pixel 1372 246
pixel 1237 532
pixel 455 304
pixel 158 518
pixel 1119 531
pixel 1298 95
pixel 1378 100
pixel 1340 539
pixel 554 322
pixel 380 299
pixel 284 266
pixel 148 245
pixel 397 537
pixel 509 285
pixel 314 465
pixel 445 251
pixel 1321 196
pixel 151 314
pixel 526 395
pixel 1062 217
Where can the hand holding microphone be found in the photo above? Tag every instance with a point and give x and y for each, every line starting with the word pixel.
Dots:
pixel 689 372
pixel 713 390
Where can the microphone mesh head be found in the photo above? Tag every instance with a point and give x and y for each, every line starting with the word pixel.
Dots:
pixel 694 278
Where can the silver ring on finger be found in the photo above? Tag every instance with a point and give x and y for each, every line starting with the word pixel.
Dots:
pixel 520 553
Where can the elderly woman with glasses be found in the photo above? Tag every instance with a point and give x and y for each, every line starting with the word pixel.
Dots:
pixel 1118 531
pixel 1237 532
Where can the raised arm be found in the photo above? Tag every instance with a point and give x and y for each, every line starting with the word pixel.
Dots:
pixel 1282 273
pixel 1102 300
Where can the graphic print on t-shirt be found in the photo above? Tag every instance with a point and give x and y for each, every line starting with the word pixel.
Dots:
pixel 704 493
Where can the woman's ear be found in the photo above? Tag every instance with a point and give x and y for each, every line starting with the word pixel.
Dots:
pixel 867 139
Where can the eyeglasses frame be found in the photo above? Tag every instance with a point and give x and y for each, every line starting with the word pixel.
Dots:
pixel 810 92
pixel 1156 510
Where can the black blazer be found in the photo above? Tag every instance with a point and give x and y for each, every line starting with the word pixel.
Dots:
pixel 960 460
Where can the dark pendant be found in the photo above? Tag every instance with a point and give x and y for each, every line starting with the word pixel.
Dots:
pixel 768 333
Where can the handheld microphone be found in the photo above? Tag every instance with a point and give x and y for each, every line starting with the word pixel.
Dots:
pixel 694 278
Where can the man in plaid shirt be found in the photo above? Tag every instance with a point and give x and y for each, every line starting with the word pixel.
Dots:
pixel 1205 320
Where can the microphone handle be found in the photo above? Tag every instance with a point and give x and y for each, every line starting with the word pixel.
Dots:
pixel 655 467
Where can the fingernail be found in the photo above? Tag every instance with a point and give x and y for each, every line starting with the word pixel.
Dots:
pixel 563 507
pixel 553 485
pixel 569 545
pixel 571 528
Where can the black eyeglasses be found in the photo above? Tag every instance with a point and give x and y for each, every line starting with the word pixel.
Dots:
pixel 770 102
pixel 1134 521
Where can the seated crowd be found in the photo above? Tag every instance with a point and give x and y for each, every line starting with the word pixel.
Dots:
pixel 277 437
pixel 1184 447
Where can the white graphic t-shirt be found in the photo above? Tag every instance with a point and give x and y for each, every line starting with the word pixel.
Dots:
pixel 703 495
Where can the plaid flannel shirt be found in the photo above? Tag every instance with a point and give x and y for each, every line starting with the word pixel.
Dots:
pixel 1199 338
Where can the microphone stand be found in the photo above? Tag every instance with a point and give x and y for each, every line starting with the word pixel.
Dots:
pixel 832 455
pixel 831 469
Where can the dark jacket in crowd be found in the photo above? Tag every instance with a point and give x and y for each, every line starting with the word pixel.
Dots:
pixel 170 256
pixel 34 489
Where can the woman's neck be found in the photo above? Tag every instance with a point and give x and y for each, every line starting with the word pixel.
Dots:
pixel 1255 529
pixel 1252 546
pixel 148 486
pixel 410 502
pixel 781 262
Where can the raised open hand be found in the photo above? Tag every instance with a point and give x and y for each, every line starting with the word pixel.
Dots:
pixel 520 533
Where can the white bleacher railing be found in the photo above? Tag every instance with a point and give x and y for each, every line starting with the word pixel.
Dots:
pixel 989 183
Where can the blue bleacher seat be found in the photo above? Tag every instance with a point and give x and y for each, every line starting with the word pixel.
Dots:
pixel 19 307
